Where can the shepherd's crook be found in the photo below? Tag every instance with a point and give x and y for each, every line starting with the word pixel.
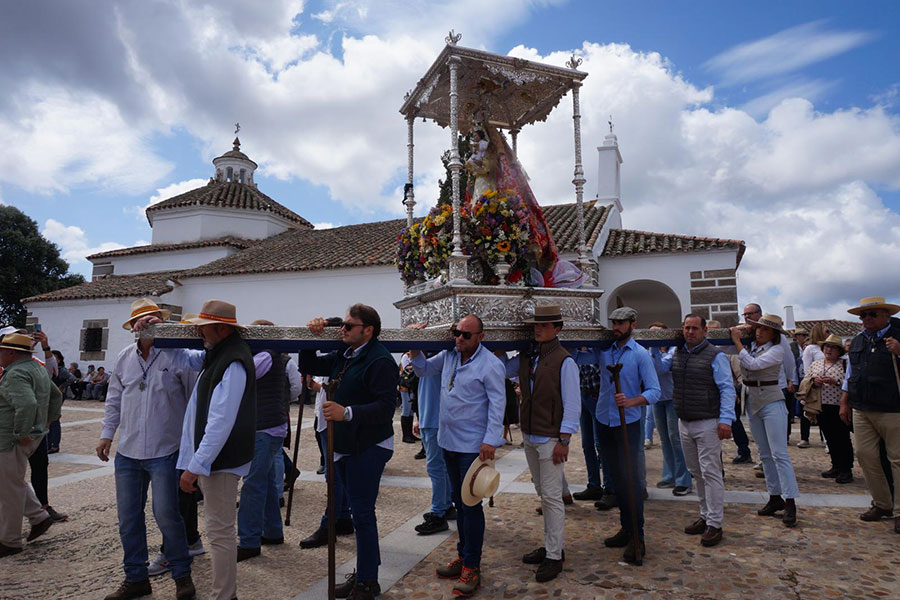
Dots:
pixel 330 389
pixel 290 504
pixel 635 534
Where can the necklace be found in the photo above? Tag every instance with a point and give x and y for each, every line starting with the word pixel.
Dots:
pixel 143 385
pixel 453 375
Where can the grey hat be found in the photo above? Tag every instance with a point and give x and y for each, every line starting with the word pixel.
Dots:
pixel 623 313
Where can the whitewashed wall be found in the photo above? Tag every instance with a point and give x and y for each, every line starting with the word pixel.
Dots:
pixel 173 226
pixel 167 261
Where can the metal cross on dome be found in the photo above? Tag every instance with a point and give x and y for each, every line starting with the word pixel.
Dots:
pixel 237 128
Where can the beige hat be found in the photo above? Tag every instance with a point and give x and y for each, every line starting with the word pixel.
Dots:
pixel 773 321
pixel 801 331
pixel 546 314
pixel 874 302
pixel 16 341
pixel 186 318
pixel 216 311
pixel 833 340
pixel 142 308
pixel 481 481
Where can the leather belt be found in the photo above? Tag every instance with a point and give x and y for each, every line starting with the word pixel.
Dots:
pixel 759 383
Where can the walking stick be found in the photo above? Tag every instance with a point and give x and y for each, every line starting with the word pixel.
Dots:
pixel 638 559
pixel 330 389
pixel 287 514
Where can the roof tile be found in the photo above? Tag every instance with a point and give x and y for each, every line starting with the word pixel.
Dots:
pixel 623 242
pixel 232 241
pixel 112 286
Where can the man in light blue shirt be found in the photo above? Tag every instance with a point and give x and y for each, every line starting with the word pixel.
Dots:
pixel 551 408
pixel 473 400
pixel 640 386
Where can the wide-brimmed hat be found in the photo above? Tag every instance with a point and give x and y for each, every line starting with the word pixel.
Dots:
pixel 186 318
pixel 142 308
pixel 874 302
pixel 546 314
pixel 771 321
pixel 16 341
pixel 835 341
pixel 481 481
pixel 216 311
pixel 801 331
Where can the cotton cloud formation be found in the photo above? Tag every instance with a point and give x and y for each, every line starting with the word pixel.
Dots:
pixel 73 242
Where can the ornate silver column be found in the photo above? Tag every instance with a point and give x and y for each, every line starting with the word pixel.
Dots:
pixel 458 260
pixel 514 133
pixel 585 262
pixel 409 196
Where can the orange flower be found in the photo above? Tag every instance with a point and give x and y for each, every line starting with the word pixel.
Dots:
pixel 503 246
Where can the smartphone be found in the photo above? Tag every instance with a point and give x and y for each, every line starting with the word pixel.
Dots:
pixel 37 326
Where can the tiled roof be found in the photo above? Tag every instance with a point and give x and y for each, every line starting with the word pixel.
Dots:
pixel 835 326
pixel 234 242
pixel 369 244
pixel 229 195
pixel 623 242
pixel 112 286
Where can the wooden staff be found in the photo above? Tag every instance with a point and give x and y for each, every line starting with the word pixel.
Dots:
pixel 635 539
pixel 287 515
pixel 330 389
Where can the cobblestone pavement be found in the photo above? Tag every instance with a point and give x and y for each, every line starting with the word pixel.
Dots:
pixel 831 554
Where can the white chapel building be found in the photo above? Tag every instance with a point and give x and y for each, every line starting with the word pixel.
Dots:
pixel 228 240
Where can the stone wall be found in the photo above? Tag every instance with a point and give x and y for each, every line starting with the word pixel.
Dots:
pixel 714 295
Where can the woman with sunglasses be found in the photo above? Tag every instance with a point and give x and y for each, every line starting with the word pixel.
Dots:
pixel 827 373
pixel 760 366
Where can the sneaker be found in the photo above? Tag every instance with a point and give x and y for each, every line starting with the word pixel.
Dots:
pixel 803 444
pixel 432 524
pixel 184 588
pixel 648 443
pixel 158 565
pixel 196 549
pixel 469 581
pixel 452 570
pixel 741 459
pixel 56 516
pixel 681 490
pixel 589 493
pixel 131 589
pixel 758 467
pixel 320 470
pixel 662 485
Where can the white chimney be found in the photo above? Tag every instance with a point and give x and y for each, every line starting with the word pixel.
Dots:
pixel 608 183
pixel 789 322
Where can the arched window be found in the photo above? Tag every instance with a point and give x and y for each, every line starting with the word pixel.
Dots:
pixel 229 174
pixel 243 173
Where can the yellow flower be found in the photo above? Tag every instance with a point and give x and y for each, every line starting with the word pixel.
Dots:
pixel 503 246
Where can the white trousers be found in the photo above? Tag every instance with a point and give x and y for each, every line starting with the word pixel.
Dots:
pixel 548 481
pixel 703 457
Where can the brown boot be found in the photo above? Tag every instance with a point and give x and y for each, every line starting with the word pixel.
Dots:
pixel 469 581
pixel 451 570
pixel 131 589
pixel 184 588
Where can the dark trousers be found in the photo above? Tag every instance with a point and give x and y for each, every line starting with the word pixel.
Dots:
pixel 469 519
pixel 187 506
pixel 39 461
pixel 804 426
pixel 789 401
pixel 341 503
pixel 320 437
pixel 837 435
pixel 612 442
pixel 739 434
pixel 361 476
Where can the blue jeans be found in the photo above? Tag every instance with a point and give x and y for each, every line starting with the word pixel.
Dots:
pixel 649 424
pixel 768 426
pixel 674 467
pixel 437 471
pixel 341 502
pixel 405 405
pixel 588 445
pixel 469 519
pixel 612 443
pixel 361 475
pixel 259 513
pixel 641 458
pixel 133 478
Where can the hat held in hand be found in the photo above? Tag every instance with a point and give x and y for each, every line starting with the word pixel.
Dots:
pixel 481 481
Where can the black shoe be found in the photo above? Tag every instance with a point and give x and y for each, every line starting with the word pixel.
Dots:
pixel 245 553
pixel 830 473
pixel 342 527
pixel 290 478
pixel 619 540
pixel 320 470
pixel 589 493
pixel 318 538
pixel 741 459
pixel 450 515
pixel 52 449
pixel 696 528
pixel 364 590
pixel 342 590
pixel 281 502
pixel 432 524
pixel 631 555
pixel 845 477
pixel 271 541
pixel 406 426
pixel 774 504
pixel 40 529
pixel 790 513
pixel 607 502
pixel 131 589
pixel 56 516
pixel 681 490
pixel 184 588
pixel 420 454
pixel 548 570
pixel 537 556
pixel 8 550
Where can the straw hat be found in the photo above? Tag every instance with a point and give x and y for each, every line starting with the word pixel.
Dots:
pixel 772 321
pixel 142 308
pixel 216 311
pixel 833 340
pixel 546 314
pixel 874 302
pixel 186 318
pixel 16 341
pixel 481 481
pixel 801 331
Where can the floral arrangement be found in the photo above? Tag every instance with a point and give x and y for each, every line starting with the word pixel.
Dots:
pixel 498 232
pixel 436 238
pixel 410 261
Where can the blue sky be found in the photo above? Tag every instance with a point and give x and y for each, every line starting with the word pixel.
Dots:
pixel 116 101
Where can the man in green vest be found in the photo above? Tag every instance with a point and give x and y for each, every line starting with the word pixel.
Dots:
pixel 551 408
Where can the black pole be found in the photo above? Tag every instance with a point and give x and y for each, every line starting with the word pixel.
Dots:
pixel 636 540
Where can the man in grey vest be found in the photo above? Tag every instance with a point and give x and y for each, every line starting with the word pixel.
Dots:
pixel 551 407
pixel 704 402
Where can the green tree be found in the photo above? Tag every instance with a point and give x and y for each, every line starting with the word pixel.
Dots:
pixel 446 185
pixel 29 265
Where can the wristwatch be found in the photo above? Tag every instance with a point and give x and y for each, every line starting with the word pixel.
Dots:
pixel 564 441
pixel 347 414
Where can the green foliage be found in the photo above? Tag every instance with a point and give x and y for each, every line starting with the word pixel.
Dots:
pixel 446 184
pixel 29 265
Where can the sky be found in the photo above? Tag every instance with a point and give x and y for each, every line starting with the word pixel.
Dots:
pixel 777 123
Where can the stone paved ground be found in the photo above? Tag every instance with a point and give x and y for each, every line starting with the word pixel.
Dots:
pixel 831 554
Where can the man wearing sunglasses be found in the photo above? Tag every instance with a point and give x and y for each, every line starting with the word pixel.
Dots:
pixel 872 391
pixel 473 400
pixel 362 410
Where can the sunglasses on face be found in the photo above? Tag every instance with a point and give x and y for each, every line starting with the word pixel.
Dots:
pixel 467 335
pixel 348 326
pixel 868 313
pixel 749 314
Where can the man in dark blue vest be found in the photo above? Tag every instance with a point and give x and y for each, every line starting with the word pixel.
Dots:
pixel 362 411
pixel 872 391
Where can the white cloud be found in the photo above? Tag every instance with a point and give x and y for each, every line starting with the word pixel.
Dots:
pixel 73 243
pixel 324 225
pixel 164 193
pixel 784 52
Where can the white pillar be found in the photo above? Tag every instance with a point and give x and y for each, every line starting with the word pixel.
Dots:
pixel 458 260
